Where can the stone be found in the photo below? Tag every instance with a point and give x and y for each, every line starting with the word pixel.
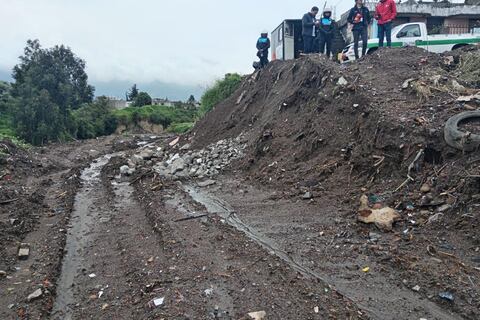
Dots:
pixel 425 188
pixel 177 165
pixel 416 288
pixel 206 183
pixel 146 154
pixel 444 208
pixel 185 147
pixel 374 236
pixel 307 196
pixel 435 218
pixel 126 170
pixel 258 315
pixel 35 295
pixel 342 81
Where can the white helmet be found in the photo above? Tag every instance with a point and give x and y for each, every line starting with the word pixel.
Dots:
pixel 265 32
pixel 327 10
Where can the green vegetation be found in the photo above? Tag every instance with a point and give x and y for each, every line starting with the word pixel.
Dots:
pixel 6 113
pixel 180 127
pixel 49 84
pixel 142 99
pixel 95 119
pixel 51 100
pixel 163 115
pixel 220 91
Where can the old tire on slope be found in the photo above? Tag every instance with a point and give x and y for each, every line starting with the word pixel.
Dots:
pixel 459 139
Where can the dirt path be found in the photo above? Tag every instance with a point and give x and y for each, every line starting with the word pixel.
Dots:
pixel 294 228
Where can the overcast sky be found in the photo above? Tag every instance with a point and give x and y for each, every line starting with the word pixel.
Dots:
pixel 184 43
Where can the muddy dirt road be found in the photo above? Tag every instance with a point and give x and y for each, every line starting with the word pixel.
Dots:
pixel 108 245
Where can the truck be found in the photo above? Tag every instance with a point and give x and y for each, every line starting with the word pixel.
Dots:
pixel 416 34
pixel 287 41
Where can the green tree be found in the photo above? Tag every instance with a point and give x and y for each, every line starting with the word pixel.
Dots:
pixel 191 100
pixel 142 99
pixel 95 119
pixel 133 93
pixel 49 84
pixel 220 91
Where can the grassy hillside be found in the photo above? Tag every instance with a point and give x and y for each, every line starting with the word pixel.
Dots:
pixel 174 119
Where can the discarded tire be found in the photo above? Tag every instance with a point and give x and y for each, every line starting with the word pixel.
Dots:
pixel 461 140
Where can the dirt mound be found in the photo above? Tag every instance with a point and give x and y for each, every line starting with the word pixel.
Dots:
pixel 375 127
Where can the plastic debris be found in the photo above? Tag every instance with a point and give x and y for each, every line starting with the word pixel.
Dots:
pixel 92 275
pixel 366 269
pixel 446 295
pixel 157 302
pixel 416 288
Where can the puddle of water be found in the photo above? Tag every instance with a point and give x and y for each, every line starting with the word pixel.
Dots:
pixel 83 217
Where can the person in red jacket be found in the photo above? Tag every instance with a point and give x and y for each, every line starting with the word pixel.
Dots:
pixel 385 13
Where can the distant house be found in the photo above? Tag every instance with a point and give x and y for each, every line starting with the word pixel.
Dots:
pixel 440 17
pixel 163 102
pixel 118 103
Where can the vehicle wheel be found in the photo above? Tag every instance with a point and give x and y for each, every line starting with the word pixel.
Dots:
pixel 459 46
pixel 459 139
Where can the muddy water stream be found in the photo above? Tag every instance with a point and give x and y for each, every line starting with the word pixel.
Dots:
pixel 79 235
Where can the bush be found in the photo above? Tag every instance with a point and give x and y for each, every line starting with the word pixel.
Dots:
pixel 220 91
pixel 180 127
pixel 94 120
pixel 162 115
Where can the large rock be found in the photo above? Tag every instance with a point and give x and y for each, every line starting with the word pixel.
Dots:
pixel 177 165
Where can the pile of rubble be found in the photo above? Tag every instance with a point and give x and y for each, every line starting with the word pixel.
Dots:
pixel 183 162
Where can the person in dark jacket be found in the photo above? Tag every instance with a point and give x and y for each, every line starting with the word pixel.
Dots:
pixel 326 32
pixel 309 29
pixel 263 44
pixel 360 18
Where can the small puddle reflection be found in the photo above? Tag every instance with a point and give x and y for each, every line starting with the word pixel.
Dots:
pixel 83 217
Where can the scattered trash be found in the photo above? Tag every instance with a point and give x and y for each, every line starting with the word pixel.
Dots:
pixel 406 83
pixel 446 296
pixel 342 81
pixel 35 295
pixel 316 309
pixel 469 98
pixel 105 306
pixel 366 269
pixel 416 288
pixel 258 315
pixel 92 275
pixel 382 218
pixel 307 196
pixel 374 237
pixel 208 292
pixel 157 302
pixel 174 142
pixel 23 251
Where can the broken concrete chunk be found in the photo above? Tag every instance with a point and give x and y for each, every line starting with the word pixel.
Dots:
pixel 382 218
pixel 177 165
pixel 35 295
pixel 342 81
pixel 307 196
